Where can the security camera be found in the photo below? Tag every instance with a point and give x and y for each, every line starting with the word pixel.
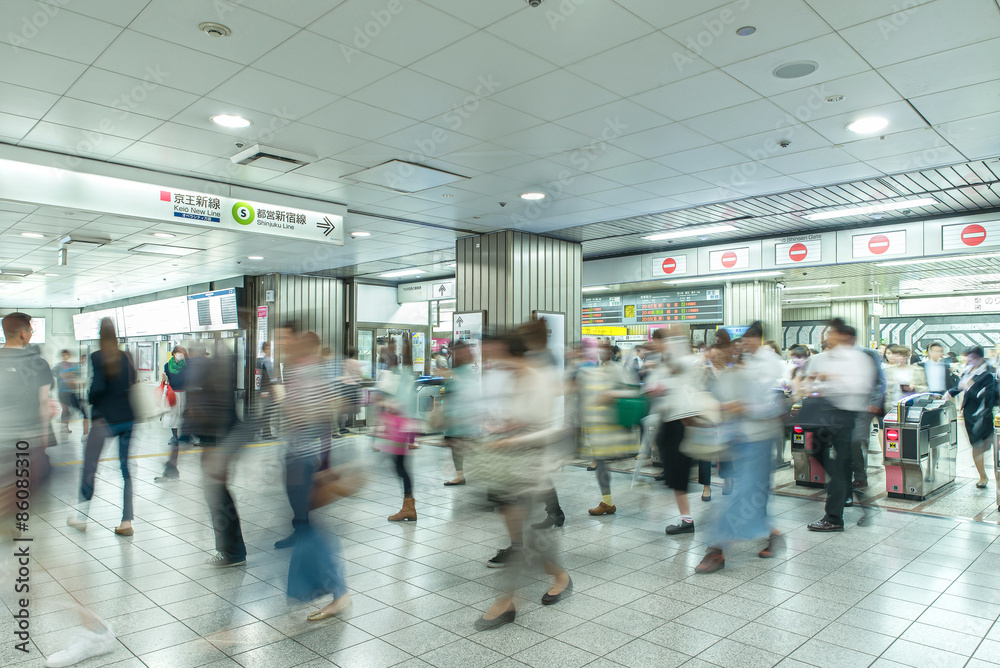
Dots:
pixel 784 143
pixel 534 3
pixel 505 203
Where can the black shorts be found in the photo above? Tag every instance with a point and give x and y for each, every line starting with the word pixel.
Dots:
pixel 676 465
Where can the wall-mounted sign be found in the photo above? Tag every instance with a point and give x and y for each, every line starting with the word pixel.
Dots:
pixel 40 184
pixel 425 291
pixel 87 326
pixel 605 331
pixel 696 305
pixel 674 265
pixel 469 327
pixel 603 310
pixel 882 244
pixel 37 331
pixel 729 259
pixel 964 304
pixel 794 252
pixel 970 236
pixel 164 316
pixel 213 311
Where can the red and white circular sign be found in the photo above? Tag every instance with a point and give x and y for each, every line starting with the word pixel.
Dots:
pixel 728 259
pixel 878 244
pixel 669 265
pixel 798 252
pixel 973 235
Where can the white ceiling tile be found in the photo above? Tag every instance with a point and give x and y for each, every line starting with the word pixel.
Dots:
pixel 485 120
pixel 900 115
pixel 117 12
pixel 737 176
pixel 422 141
pixel 536 96
pixel 412 94
pixel 618 196
pixel 151 154
pixel 942 155
pixel 479 14
pixel 700 159
pixel 37 70
pixel 272 94
pixel 804 161
pixel 930 28
pixel 852 12
pixel 698 95
pixel 141 56
pixel 491 184
pixel 708 196
pixel 860 91
pixel 483 57
pixel 309 140
pixel 897 143
pixel 328 169
pixel 176 21
pixel 835 58
pixel 745 119
pixel 779 23
pixel 74 141
pixel 662 141
pixel 766 144
pixel 354 194
pixel 299 12
pixel 594 157
pixel 979 148
pixel 488 157
pixel 651 61
pixel 639 172
pixel 613 120
pixel 960 67
pixel 189 138
pixel 580 184
pixel 662 14
pixel 570 31
pixel 534 172
pixel 370 155
pixel 97 118
pixel 674 186
pixel 48 29
pixel 357 119
pixel 299 183
pixel 147 95
pixel 316 61
pixel 777 184
pixel 13 128
pixel 544 140
pixel 959 103
pixel 398 36
pixel 977 137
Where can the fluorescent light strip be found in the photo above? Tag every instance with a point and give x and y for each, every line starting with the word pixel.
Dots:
pixel 827 299
pixel 807 299
pixel 156 249
pixel 723 278
pixel 406 272
pixel 691 232
pixel 932 260
pixel 595 288
pixel 813 287
pixel 871 208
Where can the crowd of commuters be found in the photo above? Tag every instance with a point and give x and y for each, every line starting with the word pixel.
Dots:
pixel 512 415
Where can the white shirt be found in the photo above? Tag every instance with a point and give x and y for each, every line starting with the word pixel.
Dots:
pixel 937 376
pixel 849 377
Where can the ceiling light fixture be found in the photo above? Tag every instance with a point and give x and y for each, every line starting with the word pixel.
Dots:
pixel 532 196
pixel 230 121
pixel 692 232
pixel 746 31
pixel 255 257
pixel 355 235
pixel 164 235
pixel 932 260
pixel 868 125
pixel 32 235
pixel 157 249
pixel 827 299
pixel 796 70
pixel 403 272
pixel 723 278
pixel 595 288
pixel 813 287
pixel 806 299
pixel 833 99
pixel 871 208
pixel 50 275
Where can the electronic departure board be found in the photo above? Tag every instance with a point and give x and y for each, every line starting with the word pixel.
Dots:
pixel 654 308
pixel 212 311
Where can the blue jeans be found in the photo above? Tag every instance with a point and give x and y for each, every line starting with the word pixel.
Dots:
pixel 745 515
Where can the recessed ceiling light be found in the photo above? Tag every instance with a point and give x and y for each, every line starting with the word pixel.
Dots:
pixel 871 208
pixel 361 234
pixel 692 232
pixel 403 272
pixel 721 278
pixel 163 235
pixel 255 257
pixel 812 287
pixel 868 125
pixel 532 196
pixel 32 235
pixel 796 70
pixel 230 121
pixel 50 275
pixel 446 195
pixel 595 288
pixel 746 31
pixel 833 99
pixel 215 29
pixel 157 249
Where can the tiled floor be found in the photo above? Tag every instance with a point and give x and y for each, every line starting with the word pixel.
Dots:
pixel 905 590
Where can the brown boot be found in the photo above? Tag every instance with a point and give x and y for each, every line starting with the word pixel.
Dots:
pixel 408 513
pixel 603 509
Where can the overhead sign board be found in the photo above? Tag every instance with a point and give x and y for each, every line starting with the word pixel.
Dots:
pixel 40 184
pixel 964 304
pixel 164 316
pixel 649 308
pixel 213 311
pixel 425 291
pixel 970 236
pixel 730 259
pixel 671 265
pixel 87 325
pixel 881 244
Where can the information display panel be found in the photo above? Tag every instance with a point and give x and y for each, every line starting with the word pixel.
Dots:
pixel 37 331
pixel 602 310
pixel 654 308
pixel 164 316
pixel 87 326
pixel 213 311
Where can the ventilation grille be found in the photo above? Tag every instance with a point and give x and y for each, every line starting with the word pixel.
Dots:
pixel 274 159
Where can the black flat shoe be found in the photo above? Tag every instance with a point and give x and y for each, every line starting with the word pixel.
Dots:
pixel 549 599
pixel 706 498
pixel 285 542
pixel 683 527
pixel 823 525
pixel 452 483
pixel 496 622
pixel 551 520
pixel 980 485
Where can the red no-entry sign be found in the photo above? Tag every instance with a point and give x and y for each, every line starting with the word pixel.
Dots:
pixel 728 259
pixel 798 252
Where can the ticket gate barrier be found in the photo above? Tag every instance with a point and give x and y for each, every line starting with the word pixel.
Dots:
pixel 807 459
pixel 996 455
pixel 919 446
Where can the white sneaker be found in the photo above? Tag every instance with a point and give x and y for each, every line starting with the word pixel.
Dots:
pixel 76 523
pixel 88 645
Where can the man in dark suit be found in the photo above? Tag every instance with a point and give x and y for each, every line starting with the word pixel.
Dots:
pixel 940 377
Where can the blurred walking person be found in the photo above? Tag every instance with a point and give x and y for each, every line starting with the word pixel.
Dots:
pixel 461 408
pixel 398 427
pixel 113 378
pixel 979 385
pixel 175 373
pixel 69 385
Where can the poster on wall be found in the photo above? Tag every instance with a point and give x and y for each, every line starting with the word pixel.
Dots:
pixel 469 327
pixel 144 357
pixel 418 351
pixel 261 328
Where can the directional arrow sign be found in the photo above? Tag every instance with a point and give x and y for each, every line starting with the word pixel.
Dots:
pixel 459 322
pixel 442 289
pixel 326 225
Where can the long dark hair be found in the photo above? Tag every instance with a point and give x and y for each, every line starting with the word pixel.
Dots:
pixel 109 348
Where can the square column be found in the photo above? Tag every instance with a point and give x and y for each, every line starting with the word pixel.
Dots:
pixel 760 300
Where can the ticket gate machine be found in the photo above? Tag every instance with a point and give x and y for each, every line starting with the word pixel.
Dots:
pixel 996 455
pixel 807 462
pixel 919 446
